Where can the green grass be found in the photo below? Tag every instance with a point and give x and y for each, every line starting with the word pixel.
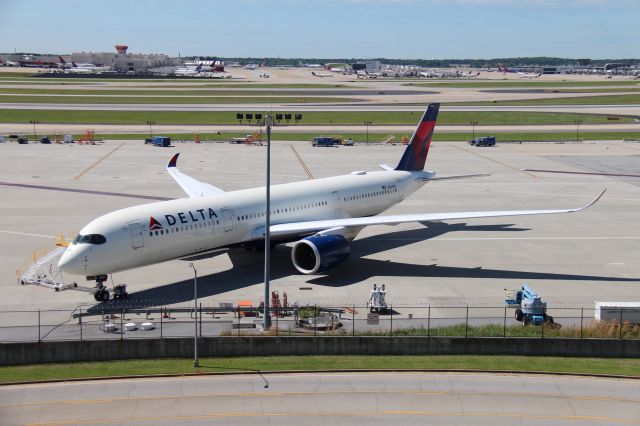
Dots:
pixel 164 92
pixel 625 366
pixel 309 118
pixel 599 331
pixel 519 83
pixel 267 98
pixel 578 100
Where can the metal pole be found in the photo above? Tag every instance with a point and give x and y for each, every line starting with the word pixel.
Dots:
pixel 161 314
pixel 620 323
pixel 466 324
pixel 38 325
pixel 34 122
pixel 429 322
pixel 201 319
pixel 578 122
pixel 121 323
pixel 80 323
pixel 581 319
pixel 195 311
pixel 353 321
pixel 391 334
pixel 266 322
pixel 473 129
pixel 315 319
pixel 504 326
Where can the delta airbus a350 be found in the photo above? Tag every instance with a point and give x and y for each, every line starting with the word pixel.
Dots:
pixel 320 216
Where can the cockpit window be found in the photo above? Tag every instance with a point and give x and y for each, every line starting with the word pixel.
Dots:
pixel 90 239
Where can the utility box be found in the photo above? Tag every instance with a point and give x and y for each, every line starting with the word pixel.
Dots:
pixel 68 138
pixel 627 312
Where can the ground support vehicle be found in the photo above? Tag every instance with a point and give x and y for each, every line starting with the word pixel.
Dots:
pixel 530 308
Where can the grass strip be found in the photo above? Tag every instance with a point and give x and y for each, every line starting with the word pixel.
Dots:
pixel 516 83
pixel 578 100
pixel 266 98
pixel 309 118
pixel 625 366
pixel 166 92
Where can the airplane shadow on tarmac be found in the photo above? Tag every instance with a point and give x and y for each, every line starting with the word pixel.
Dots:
pixel 248 268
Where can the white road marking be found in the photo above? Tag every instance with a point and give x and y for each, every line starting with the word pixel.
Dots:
pixel 26 234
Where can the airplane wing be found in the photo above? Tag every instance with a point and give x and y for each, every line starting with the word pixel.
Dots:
pixel 194 188
pixel 321 225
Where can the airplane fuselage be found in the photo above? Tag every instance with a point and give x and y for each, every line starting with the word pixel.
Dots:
pixel 156 232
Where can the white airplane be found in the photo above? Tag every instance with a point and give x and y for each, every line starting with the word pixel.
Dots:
pixel 81 68
pixel 182 71
pixel 530 75
pixel 321 74
pixel 321 216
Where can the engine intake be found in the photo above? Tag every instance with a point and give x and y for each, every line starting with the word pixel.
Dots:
pixel 320 253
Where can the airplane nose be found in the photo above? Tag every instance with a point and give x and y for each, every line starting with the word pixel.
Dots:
pixel 70 261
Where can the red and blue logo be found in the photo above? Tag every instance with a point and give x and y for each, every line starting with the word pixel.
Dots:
pixel 154 224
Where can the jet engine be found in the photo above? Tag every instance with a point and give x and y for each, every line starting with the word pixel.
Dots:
pixel 320 253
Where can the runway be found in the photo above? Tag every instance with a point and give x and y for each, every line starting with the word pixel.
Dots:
pixel 630 109
pixel 410 398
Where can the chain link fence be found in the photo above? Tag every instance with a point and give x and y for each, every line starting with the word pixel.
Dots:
pixel 114 322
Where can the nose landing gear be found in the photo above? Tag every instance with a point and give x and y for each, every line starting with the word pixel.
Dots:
pixel 101 293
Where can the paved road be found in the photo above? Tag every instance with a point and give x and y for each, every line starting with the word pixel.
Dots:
pixel 328 398
pixel 630 109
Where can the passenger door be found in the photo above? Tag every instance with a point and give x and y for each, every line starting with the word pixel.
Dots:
pixel 137 235
pixel 227 219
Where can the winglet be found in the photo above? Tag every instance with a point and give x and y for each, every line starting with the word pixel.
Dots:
pixel 595 200
pixel 173 161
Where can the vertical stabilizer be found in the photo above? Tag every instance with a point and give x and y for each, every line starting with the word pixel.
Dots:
pixel 416 153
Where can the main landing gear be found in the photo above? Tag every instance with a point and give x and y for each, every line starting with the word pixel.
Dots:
pixel 101 293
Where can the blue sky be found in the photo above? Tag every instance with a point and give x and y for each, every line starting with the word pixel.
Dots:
pixel 327 28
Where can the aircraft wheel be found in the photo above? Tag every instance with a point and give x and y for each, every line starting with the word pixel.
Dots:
pixel 97 295
pixel 104 296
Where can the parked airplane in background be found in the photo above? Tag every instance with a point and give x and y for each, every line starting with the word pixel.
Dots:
pixel 530 75
pixel 321 74
pixel 187 70
pixel 82 68
pixel 321 217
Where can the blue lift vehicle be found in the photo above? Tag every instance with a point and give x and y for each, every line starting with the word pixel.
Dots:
pixel 530 308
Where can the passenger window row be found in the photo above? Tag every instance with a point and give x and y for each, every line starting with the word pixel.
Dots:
pixel 298 207
pixel 370 194
pixel 183 228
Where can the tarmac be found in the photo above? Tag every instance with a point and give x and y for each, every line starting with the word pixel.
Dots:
pixel 571 260
pixel 365 398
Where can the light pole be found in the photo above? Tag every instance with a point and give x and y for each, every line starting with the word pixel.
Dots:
pixel 196 363
pixel 150 123
pixel 266 322
pixel 34 122
pixel 473 129
pixel 368 123
pixel 578 122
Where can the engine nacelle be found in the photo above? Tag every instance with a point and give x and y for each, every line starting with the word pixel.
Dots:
pixel 320 253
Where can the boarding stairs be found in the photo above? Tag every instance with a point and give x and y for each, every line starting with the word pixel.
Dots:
pixel 44 271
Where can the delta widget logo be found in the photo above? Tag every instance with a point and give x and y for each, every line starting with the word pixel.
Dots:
pixel 154 224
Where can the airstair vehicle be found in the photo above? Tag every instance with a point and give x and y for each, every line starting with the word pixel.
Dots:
pixel 43 269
